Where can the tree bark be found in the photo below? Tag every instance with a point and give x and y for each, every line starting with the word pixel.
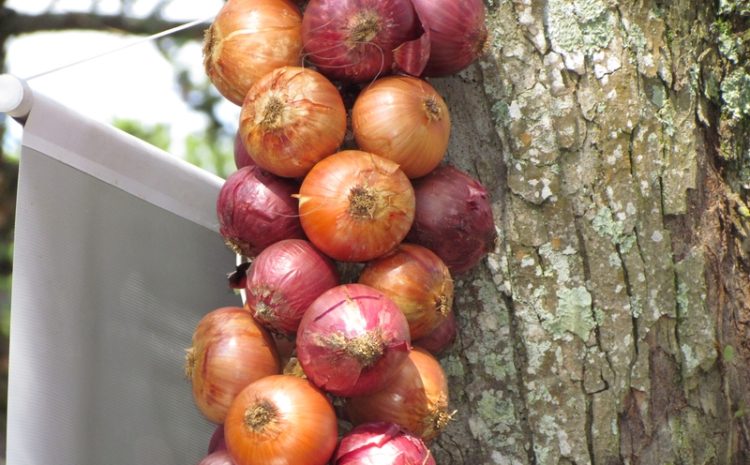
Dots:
pixel 610 325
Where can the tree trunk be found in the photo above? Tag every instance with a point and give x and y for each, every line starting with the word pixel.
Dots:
pixel 610 325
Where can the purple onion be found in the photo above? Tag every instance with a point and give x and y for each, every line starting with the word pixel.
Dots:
pixel 284 280
pixel 220 457
pixel 453 218
pixel 440 338
pixel 352 340
pixel 256 209
pixel 381 443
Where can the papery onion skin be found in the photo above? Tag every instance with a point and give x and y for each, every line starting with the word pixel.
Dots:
pixel 441 338
pixel 403 119
pixel 281 420
pixel 381 443
pixel 453 218
pixel 241 157
pixel 249 38
pixel 220 457
pixel 217 441
pixel 416 398
pixel 256 209
pixel 417 281
pixel 292 118
pixel 457 32
pixel 355 40
pixel 356 206
pixel 229 351
pixel 352 340
pixel 284 280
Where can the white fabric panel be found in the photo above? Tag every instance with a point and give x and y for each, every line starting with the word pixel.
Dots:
pixel 116 259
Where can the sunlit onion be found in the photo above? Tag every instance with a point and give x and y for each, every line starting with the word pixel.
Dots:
pixel 457 33
pixel 417 281
pixel 256 209
pixel 249 38
pixel 416 398
pixel 381 443
pixel 403 119
pixel 290 119
pixel 352 340
pixel 453 218
pixel 358 40
pixel 356 206
pixel 284 280
pixel 229 351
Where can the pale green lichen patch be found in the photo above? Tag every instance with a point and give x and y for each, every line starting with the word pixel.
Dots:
pixel 695 325
pixel 735 92
pixel 605 224
pixel 573 315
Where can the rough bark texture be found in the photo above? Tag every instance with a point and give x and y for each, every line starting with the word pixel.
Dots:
pixel 610 325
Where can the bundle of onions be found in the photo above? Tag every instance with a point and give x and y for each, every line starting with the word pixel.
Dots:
pixel 256 209
pixel 381 443
pixel 417 281
pixel 249 38
pixel 356 206
pixel 291 119
pixel 284 280
pixel 403 119
pixel 453 218
pixel 281 420
pixel 229 351
pixel 358 40
pixel 352 340
pixel 416 399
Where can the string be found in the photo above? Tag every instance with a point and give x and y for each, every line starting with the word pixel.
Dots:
pixel 150 38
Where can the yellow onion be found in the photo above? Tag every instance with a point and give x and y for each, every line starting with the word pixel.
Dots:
pixel 416 398
pixel 229 351
pixel 292 118
pixel 404 119
pixel 417 281
pixel 249 38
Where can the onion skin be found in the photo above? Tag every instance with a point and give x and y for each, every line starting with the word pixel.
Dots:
pixel 453 218
pixel 284 280
pixel 440 338
pixel 247 39
pixel 281 420
pixel 403 119
pixel 241 157
pixel 358 40
pixel 217 441
pixel 352 340
pixel 220 457
pixel 229 351
pixel 256 209
pixel 417 281
pixel 380 443
pixel 292 118
pixel 416 398
pixel 356 206
pixel 457 33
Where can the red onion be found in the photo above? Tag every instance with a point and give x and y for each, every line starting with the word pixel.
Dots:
pixel 440 338
pixel 220 457
pixel 241 157
pixel 256 209
pixel 457 33
pixel 358 40
pixel 453 218
pixel 284 280
pixel 217 441
pixel 352 340
pixel 381 443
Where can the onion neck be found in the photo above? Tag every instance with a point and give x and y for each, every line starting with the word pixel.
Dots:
pixel 442 305
pixel 189 362
pixel 437 420
pixel 367 348
pixel 363 203
pixel 261 416
pixel 272 113
pixel 209 42
pixel 365 26
pixel 432 109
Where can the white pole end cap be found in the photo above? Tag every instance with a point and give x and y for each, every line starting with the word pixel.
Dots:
pixel 15 96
